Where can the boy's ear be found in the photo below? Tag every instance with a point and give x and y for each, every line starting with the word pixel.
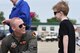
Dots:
pixel 61 13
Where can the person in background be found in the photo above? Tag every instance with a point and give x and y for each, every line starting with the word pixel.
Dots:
pixel 20 40
pixel 21 9
pixel 66 30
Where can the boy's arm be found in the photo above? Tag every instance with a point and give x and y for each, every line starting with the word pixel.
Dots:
pixel 65 43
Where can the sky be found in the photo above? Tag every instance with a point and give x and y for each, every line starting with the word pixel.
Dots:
pixel 44 8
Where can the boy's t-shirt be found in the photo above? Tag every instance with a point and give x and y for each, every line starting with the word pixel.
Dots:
pixel 66 28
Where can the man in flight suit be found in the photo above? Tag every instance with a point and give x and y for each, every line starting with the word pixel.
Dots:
pixel 20 41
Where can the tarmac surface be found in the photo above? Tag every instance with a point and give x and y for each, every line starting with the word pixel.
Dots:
pixel 51 47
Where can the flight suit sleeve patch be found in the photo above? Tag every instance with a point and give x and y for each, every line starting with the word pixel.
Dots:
pixel 33 34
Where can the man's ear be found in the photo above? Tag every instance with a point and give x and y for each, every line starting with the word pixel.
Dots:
pixel 13 28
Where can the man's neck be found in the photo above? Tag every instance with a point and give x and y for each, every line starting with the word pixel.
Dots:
pixel 18 36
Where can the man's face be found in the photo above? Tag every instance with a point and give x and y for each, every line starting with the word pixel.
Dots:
pixel 13 1
pixel 20 27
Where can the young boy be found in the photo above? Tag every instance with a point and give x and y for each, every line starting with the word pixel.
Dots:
pixel 66 30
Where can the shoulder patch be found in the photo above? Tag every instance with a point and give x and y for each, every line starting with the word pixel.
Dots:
pixel 33 34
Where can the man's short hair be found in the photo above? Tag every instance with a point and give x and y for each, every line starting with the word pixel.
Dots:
pixel 12 22
pixel 62 6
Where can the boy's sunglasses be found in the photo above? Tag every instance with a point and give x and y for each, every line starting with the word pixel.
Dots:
pixel 56 12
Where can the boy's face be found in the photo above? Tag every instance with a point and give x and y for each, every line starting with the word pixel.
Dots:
pixel 57 14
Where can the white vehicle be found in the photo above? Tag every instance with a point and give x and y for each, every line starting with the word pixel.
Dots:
pixel 47 35
pixel 52 36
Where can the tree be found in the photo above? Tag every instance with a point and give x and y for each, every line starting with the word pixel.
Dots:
pixel 53 19
pixel 1 16
pixel 73 21
pixel 34 17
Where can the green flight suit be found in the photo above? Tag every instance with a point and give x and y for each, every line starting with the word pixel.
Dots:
pixel 28 44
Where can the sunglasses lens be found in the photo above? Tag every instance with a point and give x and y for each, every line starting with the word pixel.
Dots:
pixel 55 13
pixel 24 24
pixel 20 26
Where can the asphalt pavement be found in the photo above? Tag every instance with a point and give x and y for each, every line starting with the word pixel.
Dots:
pixel 51 47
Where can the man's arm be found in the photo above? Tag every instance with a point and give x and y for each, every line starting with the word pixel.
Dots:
pixel 32 46
pixel 6 22
pixel 32 42
pixel 24 12
pixel 65 43
pixel 4 47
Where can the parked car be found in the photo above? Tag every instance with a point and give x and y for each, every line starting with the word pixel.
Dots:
pixel 2 34
pixel 7 32
pixel 52 37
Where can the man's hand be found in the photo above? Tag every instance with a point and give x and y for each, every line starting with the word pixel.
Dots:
pixel 4 22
